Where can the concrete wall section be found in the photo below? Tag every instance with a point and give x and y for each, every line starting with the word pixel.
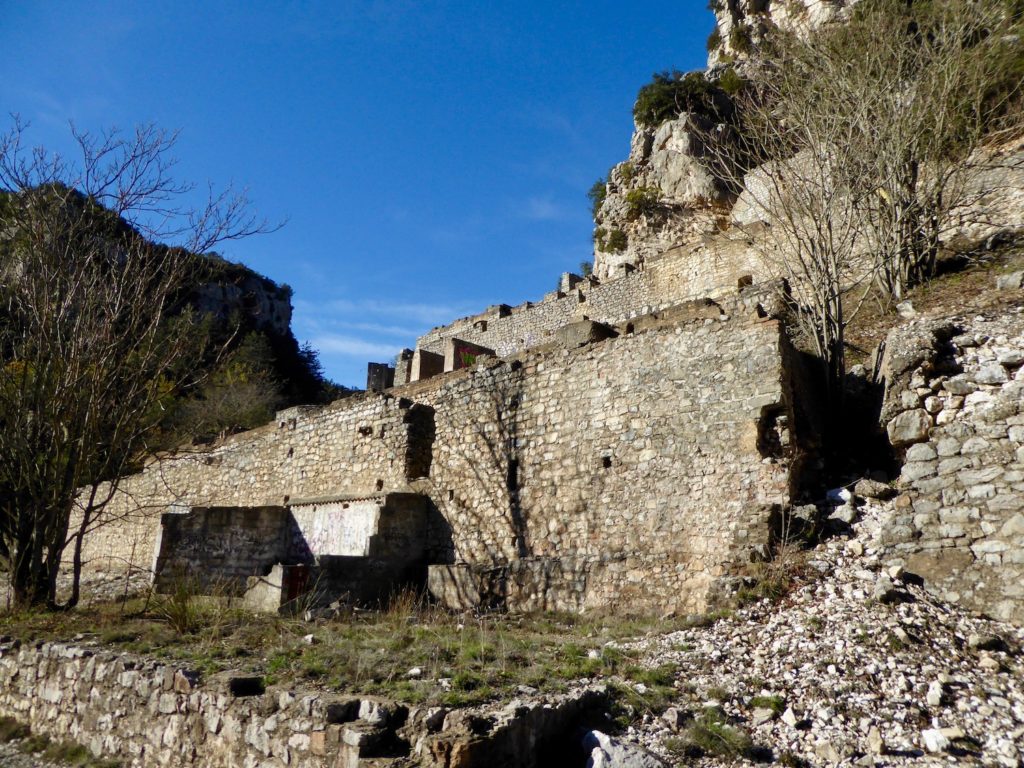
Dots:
pixel 220 547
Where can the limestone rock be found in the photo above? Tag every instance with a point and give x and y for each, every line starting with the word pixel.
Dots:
pixel 873 489
pixel 606 752
pixel 992 374
pixel 909 427
pixel 934 740
pixel 906 310
pixel 1010 282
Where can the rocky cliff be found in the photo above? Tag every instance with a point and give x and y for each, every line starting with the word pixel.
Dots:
pixel 233 289
pixel 674 192
pixel 741 25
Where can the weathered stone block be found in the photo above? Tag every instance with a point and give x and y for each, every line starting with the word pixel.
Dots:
pixel 909 427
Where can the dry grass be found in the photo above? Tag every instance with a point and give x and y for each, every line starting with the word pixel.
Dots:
pixel 461 658
pixel 968 291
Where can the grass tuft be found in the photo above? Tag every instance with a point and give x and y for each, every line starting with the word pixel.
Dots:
pixel 711 733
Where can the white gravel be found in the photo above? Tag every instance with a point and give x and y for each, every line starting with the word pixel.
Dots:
pixel 864 682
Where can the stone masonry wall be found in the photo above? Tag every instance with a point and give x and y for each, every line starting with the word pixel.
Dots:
pixel 358 445
pixel 648 465
pixel 710 269
pixel 954 407
pixel 147 714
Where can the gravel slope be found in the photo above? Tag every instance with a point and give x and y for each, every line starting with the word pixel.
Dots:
pixel 870 669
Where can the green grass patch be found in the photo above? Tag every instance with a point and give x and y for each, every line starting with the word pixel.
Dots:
pixel 775 703
pixel 412 651
pixel 711 733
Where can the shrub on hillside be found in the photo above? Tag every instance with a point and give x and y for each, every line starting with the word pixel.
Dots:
pixel 597 193
pixel 613 241
pixel 643 201
pixel 670 94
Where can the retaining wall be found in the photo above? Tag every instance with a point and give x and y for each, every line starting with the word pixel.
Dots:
pixel 147 714
pixel 651 465
pixel 954 407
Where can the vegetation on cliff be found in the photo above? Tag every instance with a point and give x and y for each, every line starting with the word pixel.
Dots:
pixel 865 138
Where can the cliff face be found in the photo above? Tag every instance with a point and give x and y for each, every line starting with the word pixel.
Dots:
pixel 667 193
pixel 233 289
pixel 742 24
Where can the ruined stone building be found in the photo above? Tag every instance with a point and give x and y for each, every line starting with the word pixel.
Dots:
pixel 631 441
pixel 607 447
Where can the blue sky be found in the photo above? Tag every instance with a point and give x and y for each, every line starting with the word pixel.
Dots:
pixel 431 158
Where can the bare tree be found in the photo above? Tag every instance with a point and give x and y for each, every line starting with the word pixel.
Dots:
pixel 921 86
pixel 95 333
pixel 796 211
pixel 865 139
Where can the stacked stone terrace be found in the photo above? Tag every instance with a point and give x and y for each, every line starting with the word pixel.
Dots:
pixel 955 391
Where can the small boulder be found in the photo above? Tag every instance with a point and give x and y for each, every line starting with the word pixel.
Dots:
pixel 909 427
pixel 960 386
pixel 606 752
pixel 844 514
pixel 762 715
pixel 1010 281
pixel 873 489
pixel 992 374
pixel 934 740
pixel 906 310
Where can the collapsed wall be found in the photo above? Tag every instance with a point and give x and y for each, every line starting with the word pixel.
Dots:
pixel 636 472
pixel 954 407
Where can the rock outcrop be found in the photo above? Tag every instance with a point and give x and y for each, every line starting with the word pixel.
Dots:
pixel 664 195
pixel 741 25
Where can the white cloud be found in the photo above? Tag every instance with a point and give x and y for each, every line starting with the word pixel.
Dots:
pixel 349 346
pixel 373 310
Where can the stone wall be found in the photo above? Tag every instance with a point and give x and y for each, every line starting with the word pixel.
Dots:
pixel 358 445
pixel 954 409
pixel 147 714
pixel 365 548
pixel 709 268
pixel 649 466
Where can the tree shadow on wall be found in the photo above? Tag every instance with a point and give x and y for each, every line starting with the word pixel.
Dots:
pixel 493 454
